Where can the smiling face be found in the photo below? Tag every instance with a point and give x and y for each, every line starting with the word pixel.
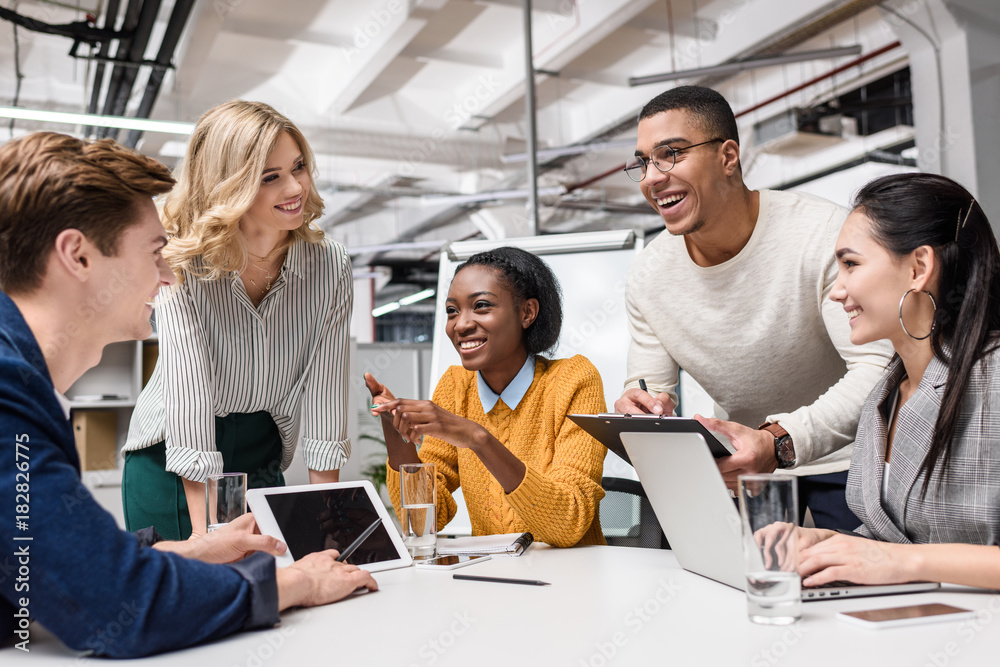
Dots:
pixel 484 322
pixel 870 282
pixel 689 194
pixel 129 281
pixel 284 186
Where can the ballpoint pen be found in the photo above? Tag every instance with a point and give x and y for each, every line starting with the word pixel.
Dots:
pixel 345 554
pixel 501 580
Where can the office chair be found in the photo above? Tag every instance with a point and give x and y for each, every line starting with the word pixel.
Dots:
pixel 627 518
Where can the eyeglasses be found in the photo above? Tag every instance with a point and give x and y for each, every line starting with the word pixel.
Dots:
pixel 662 157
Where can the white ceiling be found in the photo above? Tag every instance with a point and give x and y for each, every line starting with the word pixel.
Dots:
pixel 404 98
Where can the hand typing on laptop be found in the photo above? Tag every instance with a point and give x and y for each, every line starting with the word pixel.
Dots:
pixel 826 556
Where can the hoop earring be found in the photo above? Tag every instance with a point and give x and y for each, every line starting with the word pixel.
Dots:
pixel 902 299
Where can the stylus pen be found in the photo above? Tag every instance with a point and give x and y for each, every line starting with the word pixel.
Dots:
pixel 357 543
pixel 501 580
pixel 642 385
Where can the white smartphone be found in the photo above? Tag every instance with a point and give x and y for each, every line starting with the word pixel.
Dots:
pixel 894 617
pixel 450 562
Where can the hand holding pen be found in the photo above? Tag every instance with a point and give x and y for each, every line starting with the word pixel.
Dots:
pixel 640 401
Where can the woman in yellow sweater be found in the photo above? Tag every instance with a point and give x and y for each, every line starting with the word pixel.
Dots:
pixel 497 426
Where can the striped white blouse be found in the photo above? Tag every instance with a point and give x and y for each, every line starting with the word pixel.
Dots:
pixel 220 355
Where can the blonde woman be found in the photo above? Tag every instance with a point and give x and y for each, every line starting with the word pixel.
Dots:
pixel 254 341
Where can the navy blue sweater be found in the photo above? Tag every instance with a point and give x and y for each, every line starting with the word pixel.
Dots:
pixel 66 564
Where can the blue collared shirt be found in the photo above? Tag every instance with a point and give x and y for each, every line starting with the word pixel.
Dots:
pixel 512 393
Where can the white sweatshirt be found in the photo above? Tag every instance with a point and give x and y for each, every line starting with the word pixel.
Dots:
pixel 758 331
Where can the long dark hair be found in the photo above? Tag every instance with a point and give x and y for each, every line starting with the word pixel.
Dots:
pixel 527 277
pixel 912 210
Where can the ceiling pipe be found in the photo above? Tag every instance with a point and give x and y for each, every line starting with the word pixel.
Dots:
pixel 129 22
pixel 822 77
pixel 123 77
pixel 175 27
pixel 529 102
pixel 110 18
pixel 756 62
pixel 837 70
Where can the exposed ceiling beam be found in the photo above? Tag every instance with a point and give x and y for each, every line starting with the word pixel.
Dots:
pixel 373 60
pixel 558 42
pixel 455 56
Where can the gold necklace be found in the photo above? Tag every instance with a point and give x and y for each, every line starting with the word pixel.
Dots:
pixel 267 286
pixel 259 259
pixel 267 272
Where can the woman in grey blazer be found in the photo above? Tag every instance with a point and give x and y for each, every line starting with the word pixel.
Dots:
pixel 919 266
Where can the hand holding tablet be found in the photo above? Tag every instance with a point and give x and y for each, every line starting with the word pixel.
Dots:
pixel 318 517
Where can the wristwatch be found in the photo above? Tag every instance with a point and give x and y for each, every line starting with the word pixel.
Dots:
pixel 784 449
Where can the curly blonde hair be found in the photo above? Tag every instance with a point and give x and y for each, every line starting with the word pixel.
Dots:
pixel 217 184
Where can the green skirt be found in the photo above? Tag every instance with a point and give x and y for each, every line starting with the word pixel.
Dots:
pixel 151 496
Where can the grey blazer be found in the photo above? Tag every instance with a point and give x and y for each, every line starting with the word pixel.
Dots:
pixel 965 506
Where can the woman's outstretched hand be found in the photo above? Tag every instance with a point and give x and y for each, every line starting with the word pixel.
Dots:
pixel 399 448
pixel 415 419
pixel 380 393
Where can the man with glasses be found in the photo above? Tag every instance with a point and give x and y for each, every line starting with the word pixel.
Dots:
pixel 736 294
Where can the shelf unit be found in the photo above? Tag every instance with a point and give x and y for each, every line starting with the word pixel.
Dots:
pixel 119 376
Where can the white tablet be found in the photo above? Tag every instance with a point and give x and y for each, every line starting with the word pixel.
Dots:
pixel 315 517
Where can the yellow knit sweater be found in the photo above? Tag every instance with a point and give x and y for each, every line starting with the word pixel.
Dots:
pixel 558 499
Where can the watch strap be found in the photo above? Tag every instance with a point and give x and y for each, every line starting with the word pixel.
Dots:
pixel 774 429
pixel 784 448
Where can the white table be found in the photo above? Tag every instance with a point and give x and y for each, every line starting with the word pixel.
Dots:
pixel 607 606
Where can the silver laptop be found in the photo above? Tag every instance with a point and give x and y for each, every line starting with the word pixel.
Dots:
pixel 700 518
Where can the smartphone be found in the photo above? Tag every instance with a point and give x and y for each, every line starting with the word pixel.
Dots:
pixel 450 562
pixel 894 617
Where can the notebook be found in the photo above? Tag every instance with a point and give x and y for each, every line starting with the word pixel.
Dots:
pixel 700 519
pixel 510 544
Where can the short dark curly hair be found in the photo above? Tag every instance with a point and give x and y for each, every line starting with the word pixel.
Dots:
pixel 527 277
pixel 708 109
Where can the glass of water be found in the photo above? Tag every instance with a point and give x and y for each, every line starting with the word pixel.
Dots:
pixel 226 498
pixel 769 510
pixel 418 497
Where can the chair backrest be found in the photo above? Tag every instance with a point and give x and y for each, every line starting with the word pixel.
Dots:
pixel 627 518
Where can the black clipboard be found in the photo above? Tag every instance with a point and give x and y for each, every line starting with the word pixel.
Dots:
pixel 607 429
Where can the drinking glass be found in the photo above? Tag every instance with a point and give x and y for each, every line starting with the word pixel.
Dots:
pixel 226 498
pixel 769 511
pixel 418 497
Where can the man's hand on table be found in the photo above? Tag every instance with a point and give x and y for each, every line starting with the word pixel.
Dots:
pixel 229 544
pixel 318 579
